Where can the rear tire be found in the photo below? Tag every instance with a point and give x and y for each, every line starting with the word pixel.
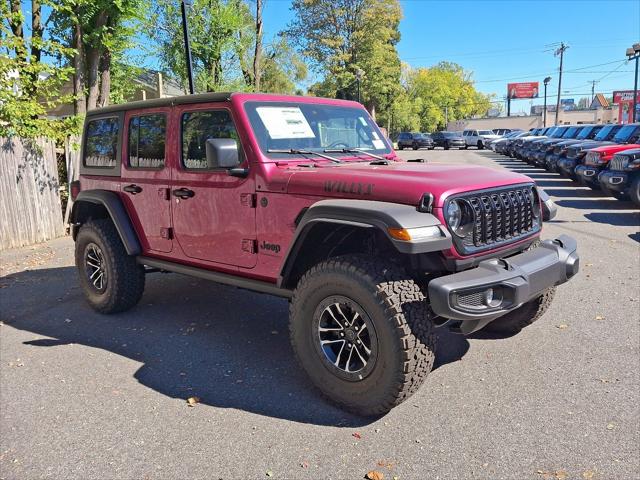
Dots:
pixel 480 145
pixel 513 322
pixel 446 146
pixel 397 326
pixel 415 147
pixel 111 279
pixel 400 147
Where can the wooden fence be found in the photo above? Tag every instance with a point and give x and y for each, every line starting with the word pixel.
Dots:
pixel 30 209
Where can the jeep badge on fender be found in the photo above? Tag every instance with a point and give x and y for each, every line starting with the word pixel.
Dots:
pixel 369 272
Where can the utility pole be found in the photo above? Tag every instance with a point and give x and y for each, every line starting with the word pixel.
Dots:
pixel 593 90
pixel 633 53
pixel 508 104
pixel 187 47
pixel 560 51
pixel 446 116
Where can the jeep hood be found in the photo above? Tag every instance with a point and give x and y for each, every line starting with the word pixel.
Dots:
pixel 615 148
pixel 398 182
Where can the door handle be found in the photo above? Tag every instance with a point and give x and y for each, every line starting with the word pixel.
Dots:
pixel 183 193
pixel 132 189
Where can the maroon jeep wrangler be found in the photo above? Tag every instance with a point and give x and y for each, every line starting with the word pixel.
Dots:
pixel 305 198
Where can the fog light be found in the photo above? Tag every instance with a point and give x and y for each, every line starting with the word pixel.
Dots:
pixel 492 297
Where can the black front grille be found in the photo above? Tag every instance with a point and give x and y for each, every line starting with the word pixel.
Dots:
pixel 557 150
pixel 619 162
pixel 572 152
pixel 501 216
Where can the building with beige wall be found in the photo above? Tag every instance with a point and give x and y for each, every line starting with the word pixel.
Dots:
pixel 565 117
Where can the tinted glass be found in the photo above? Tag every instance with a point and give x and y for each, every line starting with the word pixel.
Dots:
pixel 571 132
pixel 101 142
pixel 197 128
pixel 485 132
pixel 585 133
pixel 313 126
pixel 606 131
pixel 147 141
pixel 624 133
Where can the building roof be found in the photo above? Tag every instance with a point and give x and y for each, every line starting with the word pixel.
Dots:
pixel 600 101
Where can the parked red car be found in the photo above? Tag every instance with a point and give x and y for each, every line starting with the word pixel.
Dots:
pixel 596 159
pixel 304 198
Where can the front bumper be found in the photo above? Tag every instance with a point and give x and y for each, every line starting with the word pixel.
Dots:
pixel 614 180
pixel 551 162
pixel 567 165
pixel 477 296
pixel 588 173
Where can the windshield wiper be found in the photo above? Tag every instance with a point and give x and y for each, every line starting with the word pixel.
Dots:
pixel 294 151
pixel 354 150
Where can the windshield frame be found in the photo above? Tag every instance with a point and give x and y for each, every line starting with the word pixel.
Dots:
pixel 250 111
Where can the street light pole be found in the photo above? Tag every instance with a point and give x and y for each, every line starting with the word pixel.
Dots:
pixel 359 74
pixel 187 47
pixel 544 112
pixel 633 53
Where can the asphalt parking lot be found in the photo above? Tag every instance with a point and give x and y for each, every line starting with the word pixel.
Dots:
pixel 85 396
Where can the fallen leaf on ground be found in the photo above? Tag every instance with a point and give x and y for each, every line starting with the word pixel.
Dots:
pixel 192 401
pixel 304 465
pixel 269 473
pixel 374 475
pixel 588 474
pixel 611 426
pixel 589 265
pixel 562 326
pixel 356 435
pixel 599 317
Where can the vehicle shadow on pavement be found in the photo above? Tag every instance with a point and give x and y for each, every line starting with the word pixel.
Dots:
pixel 227 346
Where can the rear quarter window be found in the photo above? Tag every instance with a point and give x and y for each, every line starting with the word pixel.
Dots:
pixel 147 141
pixel 101 143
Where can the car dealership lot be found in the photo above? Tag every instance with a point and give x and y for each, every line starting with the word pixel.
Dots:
pixel 90 396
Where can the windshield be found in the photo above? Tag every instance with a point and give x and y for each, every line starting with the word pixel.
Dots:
pixel 558 132
pixel 420 135
pixel 450 134
pixel 288 126
pixel 586 131
pixel 571 132
pixel 485 132
pixel 624 133
pixel 605 132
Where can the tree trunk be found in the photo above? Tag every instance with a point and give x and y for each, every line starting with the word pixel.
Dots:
pixel 16 24
pixel 80 102
pixel 257 56
pixel 93 63
pixel 36 30
pixel 105 78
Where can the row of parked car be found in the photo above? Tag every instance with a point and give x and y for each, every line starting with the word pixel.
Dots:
pixel 603 157
pixel 447 140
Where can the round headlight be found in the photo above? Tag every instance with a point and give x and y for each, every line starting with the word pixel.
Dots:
pixel 454 215
pixel 535 207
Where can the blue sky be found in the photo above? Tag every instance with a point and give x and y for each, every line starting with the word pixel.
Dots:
pixel 507 41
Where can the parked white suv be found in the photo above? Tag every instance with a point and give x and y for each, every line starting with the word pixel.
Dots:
pixel 478 138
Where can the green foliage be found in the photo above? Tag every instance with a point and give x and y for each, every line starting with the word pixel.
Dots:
pixel 445 87
pixel 29 87
pixel 343 37
pixel 282 68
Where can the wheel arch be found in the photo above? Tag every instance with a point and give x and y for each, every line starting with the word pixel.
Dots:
pixel 331 228
pixel 92 204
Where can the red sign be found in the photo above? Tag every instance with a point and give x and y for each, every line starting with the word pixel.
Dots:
pixel 523 90
pixel 624 100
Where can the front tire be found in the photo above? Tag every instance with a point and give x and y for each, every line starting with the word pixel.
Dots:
pixel 396 348
pixel 446 146
pixel 111 279
pixel 480 145
pixel 523 316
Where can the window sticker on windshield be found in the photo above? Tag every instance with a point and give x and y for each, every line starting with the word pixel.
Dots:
pixel 378 144
pixel 375 135
pixel 363 121
pixel 285 122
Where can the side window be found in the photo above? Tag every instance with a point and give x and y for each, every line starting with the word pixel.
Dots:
pixel 101 143
pixel 147 135
pixel 197 128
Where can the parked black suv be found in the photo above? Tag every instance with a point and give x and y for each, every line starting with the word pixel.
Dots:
pixel 448 140
pixel 414 140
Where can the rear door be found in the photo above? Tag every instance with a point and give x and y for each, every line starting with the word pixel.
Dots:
pixel 146 177
pixel 216 221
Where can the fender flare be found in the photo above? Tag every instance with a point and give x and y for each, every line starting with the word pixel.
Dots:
pixel 118 214
pixel 367 214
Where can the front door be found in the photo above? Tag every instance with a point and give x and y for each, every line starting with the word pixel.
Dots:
pixel 146 176
pixel 213 213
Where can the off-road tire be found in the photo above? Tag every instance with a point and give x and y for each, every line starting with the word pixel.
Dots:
pixel 125 277
pixel 415 147
pixel 403 324
pixel 523 316
pixel 479 145
pixel 634 192
pixel 400 147
pixel 446 146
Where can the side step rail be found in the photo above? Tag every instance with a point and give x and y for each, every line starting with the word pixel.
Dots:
pixel 224 278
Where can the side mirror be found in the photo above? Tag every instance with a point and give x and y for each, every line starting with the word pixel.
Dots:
pixel 222 153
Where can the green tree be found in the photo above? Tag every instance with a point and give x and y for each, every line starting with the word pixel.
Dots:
pixel 445 93
pixel 99 32
pixel 281 68
pixel 343 37
pixel 28 85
